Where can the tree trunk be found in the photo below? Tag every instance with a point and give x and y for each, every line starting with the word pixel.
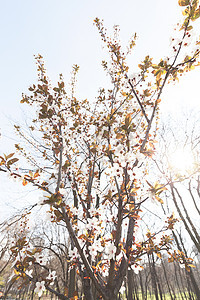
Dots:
pixel 130 285
pixel 72 282
pixel 87 287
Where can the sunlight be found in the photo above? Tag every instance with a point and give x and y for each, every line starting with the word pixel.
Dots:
pixel 182 161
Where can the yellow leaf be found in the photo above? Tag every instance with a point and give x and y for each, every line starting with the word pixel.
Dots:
pixel 66 291
pixel 98 264
pixel 9 155
pixel 189 28
pixel 12 161
pixel 147 93
pixel 158 254
pixel 131 207
pixel 186 12
pixel 159 199
pixel 191 266
pixel 183 2
pixel 128 120
pixel 170 259
pixel 196 15
pixel 187 268
pixel 24 182
pixel 119 135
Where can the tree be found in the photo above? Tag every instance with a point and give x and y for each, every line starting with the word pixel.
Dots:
pixel 90 160
pixel 182 177
pixel 179 167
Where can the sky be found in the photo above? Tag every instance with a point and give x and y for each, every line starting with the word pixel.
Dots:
pixel 62 31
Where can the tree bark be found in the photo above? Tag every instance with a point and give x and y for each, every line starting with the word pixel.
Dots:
pixel 87 288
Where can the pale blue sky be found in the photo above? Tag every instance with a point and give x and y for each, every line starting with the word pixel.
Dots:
pixel 63 32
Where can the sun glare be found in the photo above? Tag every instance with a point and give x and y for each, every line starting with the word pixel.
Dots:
pixel 182 161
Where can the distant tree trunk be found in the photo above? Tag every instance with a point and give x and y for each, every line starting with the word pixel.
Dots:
pixel 141 286
pixel 156 277
pixel 189 286
pixel 153 278
pixel 148 284
pixel 190 274
pixel 135 286
pixel 195 238
pixel 178 284
pixel 32 294
pixel 167 281
pixel 191 194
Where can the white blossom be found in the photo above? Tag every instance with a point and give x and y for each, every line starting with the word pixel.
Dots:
pixel 92 223
pixel 94 248
pixel 136 268
pixel 104 271
pixel 41 259
pixel 52 276
pixel 140 156
pixel 29 273
pixel 110 250
pixel 73 253
pixel 40 288
pixel 74 210
pixel 93 251
pixel 63 191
